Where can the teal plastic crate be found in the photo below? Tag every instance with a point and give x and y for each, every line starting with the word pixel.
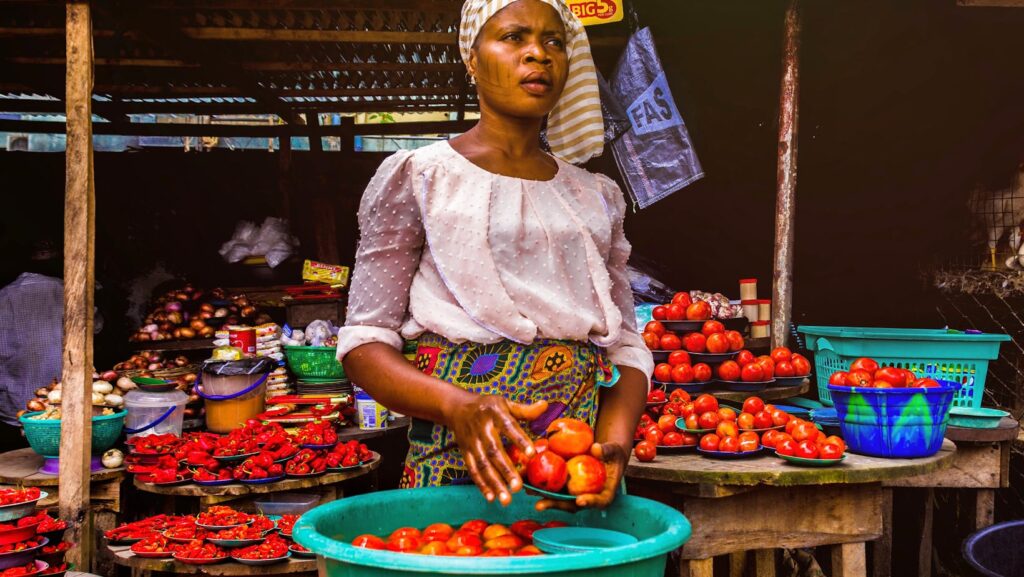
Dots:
pixel 937 353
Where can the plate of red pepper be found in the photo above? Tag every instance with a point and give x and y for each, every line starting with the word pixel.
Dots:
pixel 208 478
pixel 317 435
pixel 263 523
pixel 300 551
pixel 154 547
pixel 220 517
pixel 185 534
pixel 350 455
pixel 307 463
pixel 154 445
pixel 200 553
pixel 243 536
pixel 285 524
pixel 259 469
pixel 273 550
pixel 128 533
pixel 57 570
pixel 33 568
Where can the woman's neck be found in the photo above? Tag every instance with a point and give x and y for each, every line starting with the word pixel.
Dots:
pixel 514 138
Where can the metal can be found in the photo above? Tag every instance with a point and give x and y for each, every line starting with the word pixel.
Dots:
pixel 243 339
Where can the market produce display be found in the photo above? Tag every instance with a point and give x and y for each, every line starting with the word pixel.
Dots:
pixel 190 313
pixel 104 394
pixel 475 538
pixel 866 372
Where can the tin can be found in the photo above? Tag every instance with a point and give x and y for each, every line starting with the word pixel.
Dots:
pixel 243 339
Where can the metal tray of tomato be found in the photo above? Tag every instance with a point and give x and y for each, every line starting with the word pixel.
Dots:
pixel 259 562
pixel 16 534
pixel 745 386
pixel 301 552
pixel 210 561
pixel 804 462
pixel 232 459
pixel 730 455
pixel 672 449
pixel 235 543
pixel 318 447
pixel 263 481
pixel 15 558
pixel 550 494
pixel 222 527
pixel 789 381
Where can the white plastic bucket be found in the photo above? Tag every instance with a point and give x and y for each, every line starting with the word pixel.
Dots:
pixel 154 413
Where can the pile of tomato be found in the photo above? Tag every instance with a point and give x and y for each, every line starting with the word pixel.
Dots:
pixel 802 439
pixel 15 496
pixel 682 308
pixel 562 462
pixel 475 538
pixel 868 373
pixel 286 523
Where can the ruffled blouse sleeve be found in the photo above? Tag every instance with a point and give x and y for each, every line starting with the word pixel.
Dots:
pixel 630 350
pixel 388 255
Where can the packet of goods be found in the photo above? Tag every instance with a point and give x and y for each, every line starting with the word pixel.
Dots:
pixel 267 331
pixel 332 274
pixel 227 354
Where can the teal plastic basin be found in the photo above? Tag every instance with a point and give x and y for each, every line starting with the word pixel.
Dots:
pixel 328 529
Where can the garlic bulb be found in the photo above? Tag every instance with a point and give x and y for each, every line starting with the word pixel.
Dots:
pixel 102 387
pixel 54 396
pixel 126 384
pixel 113 400
pixel 112 459
pixel 97 398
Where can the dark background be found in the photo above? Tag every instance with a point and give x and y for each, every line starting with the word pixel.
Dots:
pixel 903 106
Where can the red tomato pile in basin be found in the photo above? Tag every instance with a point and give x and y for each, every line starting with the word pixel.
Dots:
pixel 475 538
pixel 866 372
pixel 562 462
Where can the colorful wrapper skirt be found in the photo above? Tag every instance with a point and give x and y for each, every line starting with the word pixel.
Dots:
pixel 563 373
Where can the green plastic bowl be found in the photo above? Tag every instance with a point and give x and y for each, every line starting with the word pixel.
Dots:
pixel 44 435
pixel 976 418
pixel 328 529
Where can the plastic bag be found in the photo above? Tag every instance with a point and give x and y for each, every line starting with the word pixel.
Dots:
pixel 271 240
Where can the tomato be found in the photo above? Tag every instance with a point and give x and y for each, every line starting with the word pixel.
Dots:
pixel 686 409
pixel 679 396
pixel 587 476
pixel 689 439
pixel 682 374
pixel 497 553
pixel 654 435
pixel 727 414
pixel 667 423
pixel 708 420
pixel 701 372
pixel 403 544
pixel 801 365
pixel 784 369
pixel 705 403
pixel 509 541
pixel 691 421
pixel 748 443
pixel 927 383
pixel 569 437
pixel 807 450
pixel 767 366
pixel 735 340
pixel 745 421
pixel 645 451
pixel 729 445
pixel 837 441
pixel 682 298
pixel 780 354
pixel 469 551
pixel 908 377
pixel 652 341
pixel 659 313
pixel 678 358
pixel 474 526
pixel 727 429
pixel 805 432
pixel 675 312
pixel 780 417
pixel 695 343
pixel 547 471
pixel 828 451
pixel 663 372
pixel 434 548
pixel 792 423
pixel 864 364
pixel 669 342
pixel 656 396
pixel 698 311
pixel 769 438
pixel 752 373
pixel 838 378
pixel 784 444
pixel 745 357
pixel 712 327
pixel 672 408
pixel 858 378
pixel 717 343
pixel 655 327
pixel 762 420
pixel 753 405
pixel 891 375
pixel 404 532
pixel 493 532
pixel 729 371
pixel 880 385
pixel 672 439
pixel 527 551
pixel 710 442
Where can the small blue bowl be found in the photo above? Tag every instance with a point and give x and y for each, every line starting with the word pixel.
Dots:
pixel 577 539
pixel 266 481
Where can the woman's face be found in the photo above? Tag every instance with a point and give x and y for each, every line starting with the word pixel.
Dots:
pixel 520 61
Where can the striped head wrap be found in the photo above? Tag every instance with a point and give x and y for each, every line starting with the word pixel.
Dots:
pixel 575 129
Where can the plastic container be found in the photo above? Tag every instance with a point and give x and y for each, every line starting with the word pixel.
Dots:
pixel 287 503
pixel 995 551
pixel 370 414
pixel 44 435
pixel 233 391
pixel 935 353
pixel 327 530
pixel 154 413
pixel 314 362
pixel 894 423
pixel 980 418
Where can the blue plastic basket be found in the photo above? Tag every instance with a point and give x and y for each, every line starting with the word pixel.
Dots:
pixel 936 353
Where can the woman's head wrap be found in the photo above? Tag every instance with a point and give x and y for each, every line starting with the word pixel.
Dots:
pixel 575 129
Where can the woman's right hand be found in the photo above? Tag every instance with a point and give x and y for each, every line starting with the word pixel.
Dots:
pixel 480 423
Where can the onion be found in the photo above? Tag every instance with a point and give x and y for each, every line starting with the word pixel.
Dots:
pixel 197 324
pixel 175 318
pixel 102 387
pixel 36 405
pixel 172 307
pixel 206 307
pixel 112 459
pixel 113 400
pixel 221 312
pixel 97 398
pixel 186 333
pixel 42 392
pixel 125 384
pixel 109 376
pixel 181 360
pixel 206 332
pixel 54 396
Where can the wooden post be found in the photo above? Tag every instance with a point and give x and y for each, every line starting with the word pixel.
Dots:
pixel 785 203
pixel 79 279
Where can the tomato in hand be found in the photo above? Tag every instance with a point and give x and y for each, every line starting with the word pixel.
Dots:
pixel 547 471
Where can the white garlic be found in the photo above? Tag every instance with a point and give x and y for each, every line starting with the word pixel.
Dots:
pixel 112 459
pixel 102 387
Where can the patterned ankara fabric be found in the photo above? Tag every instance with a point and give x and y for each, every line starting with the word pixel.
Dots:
pixel 563 373
pixel 575 129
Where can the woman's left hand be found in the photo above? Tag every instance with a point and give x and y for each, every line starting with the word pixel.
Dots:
pixel 615 460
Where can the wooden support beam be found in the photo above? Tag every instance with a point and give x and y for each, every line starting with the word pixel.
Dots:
pixel 785 203
pixel 345 130
pixel 79 279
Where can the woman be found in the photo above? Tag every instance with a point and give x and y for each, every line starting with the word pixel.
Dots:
pixel 506 263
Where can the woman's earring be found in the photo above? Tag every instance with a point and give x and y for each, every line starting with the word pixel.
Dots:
pixel 470 79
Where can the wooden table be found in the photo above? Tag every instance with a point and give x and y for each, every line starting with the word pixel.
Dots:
pixel 21 468
pixel 764 503
pixel 122 555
